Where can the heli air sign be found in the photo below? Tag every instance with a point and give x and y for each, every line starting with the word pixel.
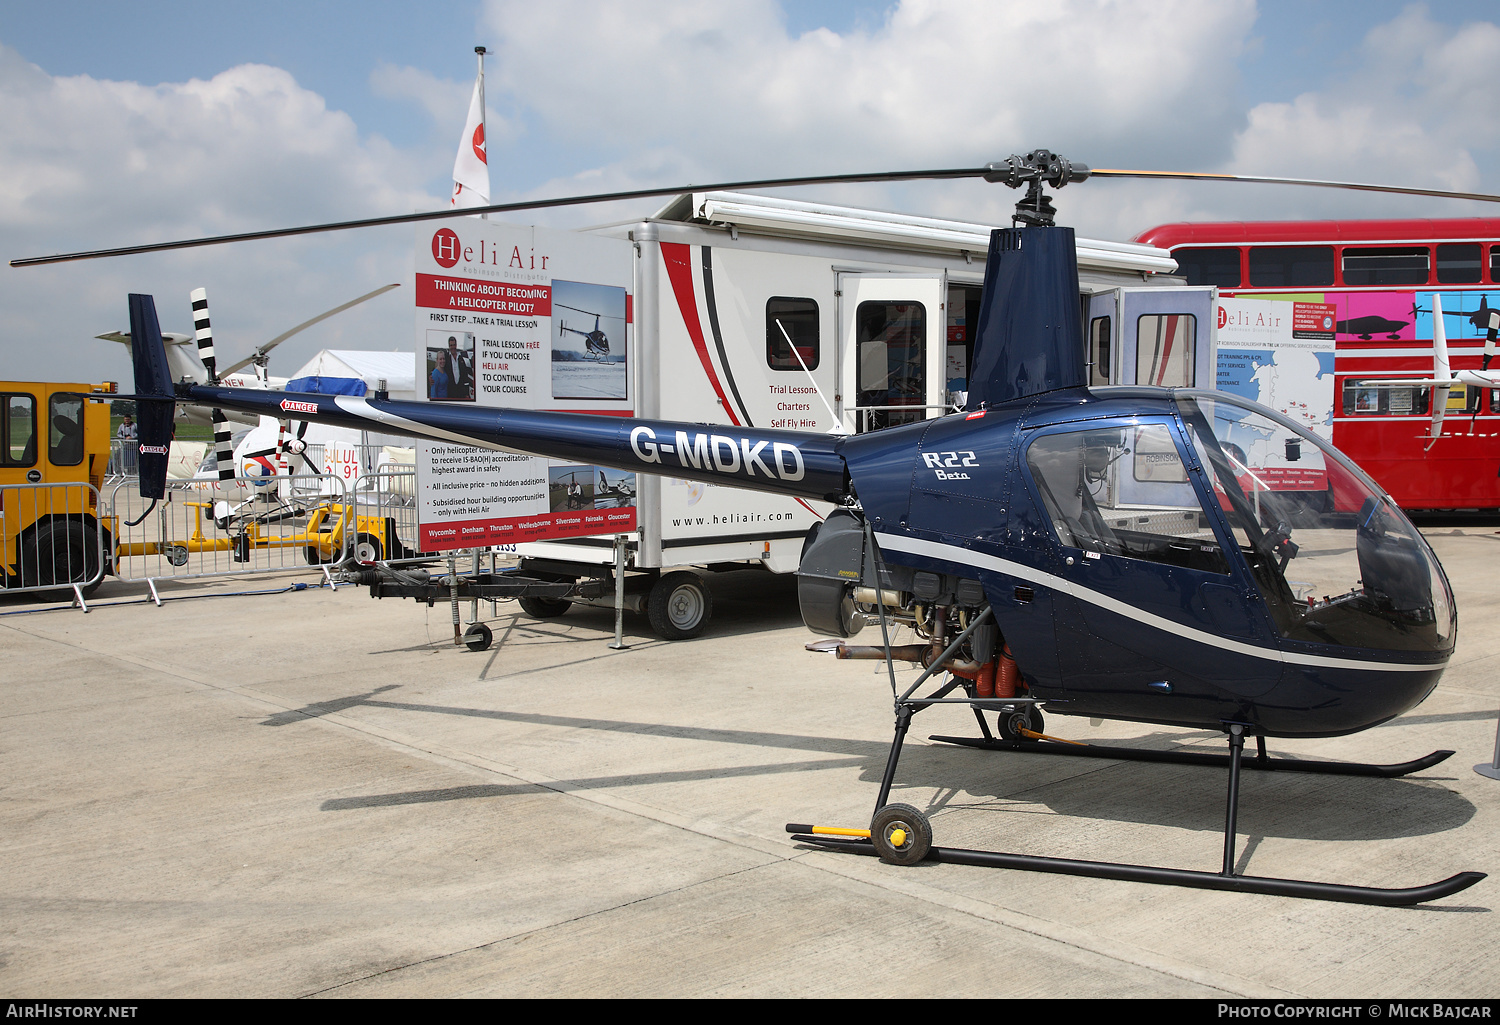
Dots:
pixel 524 318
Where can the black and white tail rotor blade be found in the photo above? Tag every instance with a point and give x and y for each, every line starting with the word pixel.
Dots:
pixel 203 331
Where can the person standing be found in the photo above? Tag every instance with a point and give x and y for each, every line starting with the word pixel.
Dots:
pixel 129 445
pixel 439 383
pixel 459 372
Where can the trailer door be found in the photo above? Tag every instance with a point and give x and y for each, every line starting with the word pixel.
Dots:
pixel 892 351
pixel 1102 333
pixel 1165 337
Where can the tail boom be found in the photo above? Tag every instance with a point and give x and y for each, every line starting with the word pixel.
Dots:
pixel 793 463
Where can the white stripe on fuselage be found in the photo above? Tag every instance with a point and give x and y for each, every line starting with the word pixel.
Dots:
pixel 360 407
pixel 966 557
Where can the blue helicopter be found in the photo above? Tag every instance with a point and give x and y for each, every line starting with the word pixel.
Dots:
pixel 1108 552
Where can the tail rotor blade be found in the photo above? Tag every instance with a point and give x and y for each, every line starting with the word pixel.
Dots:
pixel 223 446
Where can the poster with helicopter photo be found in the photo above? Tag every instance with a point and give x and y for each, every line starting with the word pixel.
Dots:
pixel 529 318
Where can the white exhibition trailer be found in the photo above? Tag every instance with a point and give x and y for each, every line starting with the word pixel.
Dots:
pixel 879 309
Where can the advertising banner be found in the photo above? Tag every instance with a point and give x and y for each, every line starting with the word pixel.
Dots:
pixel 523 318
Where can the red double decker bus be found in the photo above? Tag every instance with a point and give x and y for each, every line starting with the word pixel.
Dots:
pixel 1362 291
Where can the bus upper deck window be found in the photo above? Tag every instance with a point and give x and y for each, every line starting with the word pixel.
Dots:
pixel 1385 265
pixel 1495 262
pixel 1209 266
pixel 1291 266
pixel 1458 264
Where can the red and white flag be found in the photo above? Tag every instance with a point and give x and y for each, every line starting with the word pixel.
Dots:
pixel 471 172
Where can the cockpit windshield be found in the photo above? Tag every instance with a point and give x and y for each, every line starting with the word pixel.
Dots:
pixel 1335 559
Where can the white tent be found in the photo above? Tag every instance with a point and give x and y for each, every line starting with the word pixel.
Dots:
pixel 334 371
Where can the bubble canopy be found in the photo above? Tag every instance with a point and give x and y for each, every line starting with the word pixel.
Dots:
pixel 1334 558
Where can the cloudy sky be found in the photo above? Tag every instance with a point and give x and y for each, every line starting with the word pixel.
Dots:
pixel 161 120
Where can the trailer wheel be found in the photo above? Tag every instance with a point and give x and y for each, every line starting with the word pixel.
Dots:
pixel 544 608
pixel 60 552
pixel 679 606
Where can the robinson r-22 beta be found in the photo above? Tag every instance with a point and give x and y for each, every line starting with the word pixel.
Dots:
pixel 1104 552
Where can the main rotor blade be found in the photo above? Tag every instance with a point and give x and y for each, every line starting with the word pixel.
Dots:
pixel 303 326
pixel 1102 172
pixel 500 208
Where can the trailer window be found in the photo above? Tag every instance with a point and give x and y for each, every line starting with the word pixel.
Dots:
pixel 797 320
pixel 65 429
pixel 1164 349
pixel 1285 266
pixel 1458 264
pixel 19 429
pixel 1209 266
pixel 891 345
pixel 1386 265
pixel 1365 401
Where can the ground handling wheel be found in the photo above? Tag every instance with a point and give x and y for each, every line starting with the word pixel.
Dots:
pixel 901 834
pixel 478 637
pixel 679 606
pixel 1014 718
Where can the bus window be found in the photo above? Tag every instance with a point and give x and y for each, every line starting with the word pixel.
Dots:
pixel 798 319
pixel 1209 266
pixel 1463 399
pixel 1495 262
pixel 1099 351
pixel 1289 266
pixel 1363 401
pixel 1458 263
pixel 1164 349
pixel 1386 265
pixel 19 431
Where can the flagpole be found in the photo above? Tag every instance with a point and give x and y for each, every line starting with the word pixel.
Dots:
pixel 483 121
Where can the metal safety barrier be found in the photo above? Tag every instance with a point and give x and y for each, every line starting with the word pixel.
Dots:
pixel 52 539
pixel 388 497
pixel 249 525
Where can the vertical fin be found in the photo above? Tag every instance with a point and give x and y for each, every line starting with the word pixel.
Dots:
pixel 1440 367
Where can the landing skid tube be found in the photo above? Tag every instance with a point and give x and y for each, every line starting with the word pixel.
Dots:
pixel 1403 897
pixel 902 835
pixel 1259 761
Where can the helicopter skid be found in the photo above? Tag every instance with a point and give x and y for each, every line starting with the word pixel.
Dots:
pixel 1262 762
pixel 1303 888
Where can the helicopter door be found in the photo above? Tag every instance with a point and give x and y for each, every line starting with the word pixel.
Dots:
pixel 1155 604
pixel 891 341
pixel 1165 337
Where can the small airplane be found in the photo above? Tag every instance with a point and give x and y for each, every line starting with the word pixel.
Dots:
pixel 1369 326
pixel 1101 552
pixel 595 342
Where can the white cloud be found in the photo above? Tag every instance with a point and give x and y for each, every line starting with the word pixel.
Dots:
pixel 86 164
pixel 723 85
